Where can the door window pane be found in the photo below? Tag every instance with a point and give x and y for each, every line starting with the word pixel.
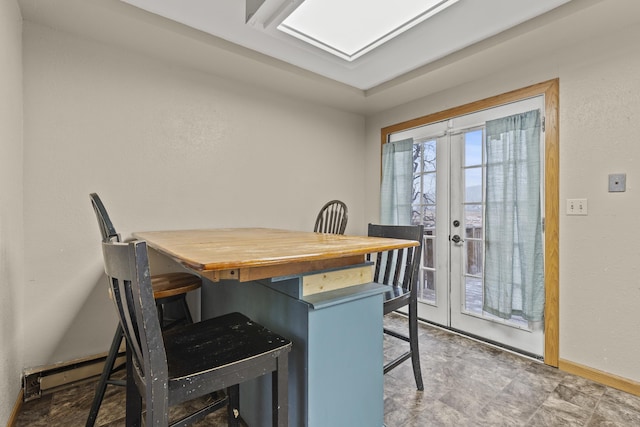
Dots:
pixel 474 257
pixel 473 185
pixel 425 215
pixel 429 156
pixel 473 295
pixel 429 188
pixel 473 148
pixel 424 212
pixel 417 190
pixel 473 218
pixel 428 252
pixel 427 290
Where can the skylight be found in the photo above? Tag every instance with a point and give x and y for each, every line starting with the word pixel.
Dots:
pixel 349 29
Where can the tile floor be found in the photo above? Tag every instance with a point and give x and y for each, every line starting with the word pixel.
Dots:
pixel 466 384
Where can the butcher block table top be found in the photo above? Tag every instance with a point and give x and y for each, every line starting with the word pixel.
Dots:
pixel 246 254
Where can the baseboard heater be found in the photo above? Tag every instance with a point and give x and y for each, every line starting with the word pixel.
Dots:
pixel 43 380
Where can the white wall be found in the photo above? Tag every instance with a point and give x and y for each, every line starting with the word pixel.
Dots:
pixel 165 147
pixel 599 131
pixel 169 147
pixel 11 228
pixel 599 256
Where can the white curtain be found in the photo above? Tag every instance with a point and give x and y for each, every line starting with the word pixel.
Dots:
pixel 397 182
pixel 514 269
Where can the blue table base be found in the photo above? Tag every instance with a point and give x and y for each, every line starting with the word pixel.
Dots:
pixel 335 366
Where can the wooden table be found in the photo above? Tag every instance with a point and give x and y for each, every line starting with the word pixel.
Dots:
pixel 247 254
pixel 313 288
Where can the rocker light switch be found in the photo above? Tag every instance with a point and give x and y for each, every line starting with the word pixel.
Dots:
pixel 617 182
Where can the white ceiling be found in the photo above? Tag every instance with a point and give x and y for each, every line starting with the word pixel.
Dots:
pixel 119 24
pixel 461 25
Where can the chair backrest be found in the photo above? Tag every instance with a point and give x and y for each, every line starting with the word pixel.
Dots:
pixel 107 229
pixel 127 267
pixel 399 267
pixel 332 218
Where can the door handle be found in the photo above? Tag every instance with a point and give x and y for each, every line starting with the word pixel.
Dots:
pixel 456 239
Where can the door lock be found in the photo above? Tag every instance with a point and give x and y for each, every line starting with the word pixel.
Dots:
pixel 456 239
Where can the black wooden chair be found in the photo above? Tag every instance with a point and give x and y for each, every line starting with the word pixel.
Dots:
pixel 168 288
pixel 190 361
pixel 332 218
pixel 399 269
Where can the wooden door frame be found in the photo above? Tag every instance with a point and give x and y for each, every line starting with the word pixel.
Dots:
pixel 551 92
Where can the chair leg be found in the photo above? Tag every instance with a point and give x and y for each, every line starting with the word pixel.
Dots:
pixel 179 303
pixel 413 344
pixel 280 392
pixel 185 307
pixel 160 309
pixel 133 398
pixel 104 377
pixel 233 406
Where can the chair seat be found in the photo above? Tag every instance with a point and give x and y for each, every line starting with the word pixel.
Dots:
pixel 216 345
pixel 395 298
pixel 171 284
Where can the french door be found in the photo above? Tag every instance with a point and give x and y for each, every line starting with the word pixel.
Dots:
pixel 449 199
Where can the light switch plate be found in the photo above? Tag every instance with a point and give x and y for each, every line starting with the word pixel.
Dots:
pixel 577 207
pixel 617 182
